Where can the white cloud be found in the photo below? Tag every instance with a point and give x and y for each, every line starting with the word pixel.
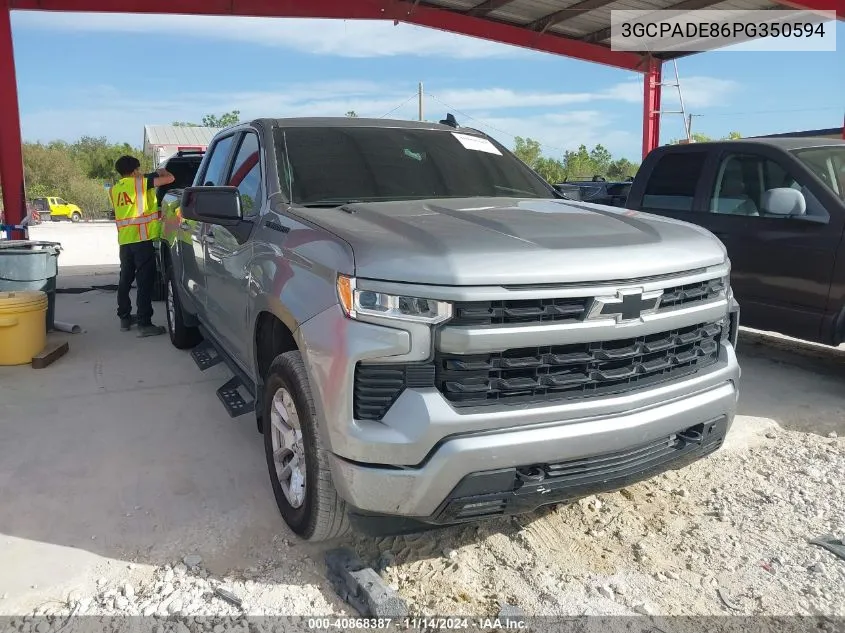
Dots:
pixel 550 117
pixel 697 91
pixel 341 38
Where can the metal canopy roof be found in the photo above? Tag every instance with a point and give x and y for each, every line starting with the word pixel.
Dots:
pixel 588 21
pixel 573 28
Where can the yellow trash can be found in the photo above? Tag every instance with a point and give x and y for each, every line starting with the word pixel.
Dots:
pixel 23 325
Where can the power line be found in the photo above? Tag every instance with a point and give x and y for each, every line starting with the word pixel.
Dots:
pixel 413 96
pixel 772 111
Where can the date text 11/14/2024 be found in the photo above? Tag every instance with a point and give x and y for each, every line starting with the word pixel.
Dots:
pixel 418 623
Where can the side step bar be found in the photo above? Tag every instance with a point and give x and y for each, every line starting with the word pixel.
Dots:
pixel 231 394
pixel 232 400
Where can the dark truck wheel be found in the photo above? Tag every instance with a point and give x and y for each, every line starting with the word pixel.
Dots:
pixel 182 336
pixel 296 459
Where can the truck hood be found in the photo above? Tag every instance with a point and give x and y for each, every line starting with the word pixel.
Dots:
pixel 509 241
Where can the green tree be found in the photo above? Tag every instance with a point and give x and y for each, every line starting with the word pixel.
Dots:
pixel 352 114
pixel 76 171
pixel 212 120
pixel 224 120
pixel 621 169
pixel 601 159
pixel 550 169
pixel 579 165
pixel 527 150
pixel 698 137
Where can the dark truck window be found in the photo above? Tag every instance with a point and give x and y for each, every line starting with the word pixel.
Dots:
pixel 214 175
pixel 333 165
pixel 828 163
pixel 741 181
pixel 246 173
pixel 672 183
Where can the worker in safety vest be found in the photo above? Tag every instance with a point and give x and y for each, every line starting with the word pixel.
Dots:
pixel 138 221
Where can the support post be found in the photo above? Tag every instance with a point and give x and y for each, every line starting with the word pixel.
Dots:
pixel 420 99
pixel 652 79
pixel 11 157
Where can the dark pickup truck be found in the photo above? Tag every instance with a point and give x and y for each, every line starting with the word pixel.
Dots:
pixel 778 205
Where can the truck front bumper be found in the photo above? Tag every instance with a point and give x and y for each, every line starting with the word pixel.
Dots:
pixel 519 469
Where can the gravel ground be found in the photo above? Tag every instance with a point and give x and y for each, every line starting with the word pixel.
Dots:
pixel 727 535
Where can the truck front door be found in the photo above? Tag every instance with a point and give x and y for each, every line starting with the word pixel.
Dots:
pixel 782 266
pixel 229 253
pixel 194 259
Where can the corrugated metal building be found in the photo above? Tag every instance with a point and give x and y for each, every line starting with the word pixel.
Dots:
pixel 162 141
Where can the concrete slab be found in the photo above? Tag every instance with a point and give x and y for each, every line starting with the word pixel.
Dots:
pixel 120 450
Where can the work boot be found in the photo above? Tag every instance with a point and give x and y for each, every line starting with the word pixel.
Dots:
pixel 148 329
pixel 128 322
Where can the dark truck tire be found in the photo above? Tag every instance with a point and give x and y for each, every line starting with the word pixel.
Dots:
pixel 181 336
pixel 314 511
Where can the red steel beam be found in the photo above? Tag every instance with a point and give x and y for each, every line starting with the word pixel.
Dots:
pixel 832 6
pixel 11 159
pixel 651 105
pixel 397 10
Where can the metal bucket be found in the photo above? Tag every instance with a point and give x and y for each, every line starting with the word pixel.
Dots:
pixel 28 265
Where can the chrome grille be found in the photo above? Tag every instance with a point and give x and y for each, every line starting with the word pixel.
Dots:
pixel 567 371
pixel 526 311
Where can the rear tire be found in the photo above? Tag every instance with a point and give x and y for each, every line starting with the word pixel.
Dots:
pixel 181 336
pixel 313 510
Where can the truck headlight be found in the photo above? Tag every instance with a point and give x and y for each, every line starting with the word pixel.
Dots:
pixel 355 302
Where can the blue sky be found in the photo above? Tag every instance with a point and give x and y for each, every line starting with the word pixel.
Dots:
pixel 108 75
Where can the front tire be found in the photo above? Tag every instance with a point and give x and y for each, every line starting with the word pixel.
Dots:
pixel 297 462
pixel 181 336
pixel 75 217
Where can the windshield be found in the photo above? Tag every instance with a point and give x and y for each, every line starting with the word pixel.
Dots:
pixel 334 165
pixel 828 163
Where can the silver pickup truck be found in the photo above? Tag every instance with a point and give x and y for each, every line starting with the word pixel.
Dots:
pixel 429 334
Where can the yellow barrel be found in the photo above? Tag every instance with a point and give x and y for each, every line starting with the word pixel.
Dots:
pixel 23 325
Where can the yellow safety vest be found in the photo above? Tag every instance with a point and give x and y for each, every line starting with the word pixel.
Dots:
pixel 172 224
pixel 136 211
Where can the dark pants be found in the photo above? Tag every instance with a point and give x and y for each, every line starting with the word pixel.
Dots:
pixel 138 264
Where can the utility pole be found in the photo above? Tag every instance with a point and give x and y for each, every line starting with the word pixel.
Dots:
pixel 689 126
pixel 420 95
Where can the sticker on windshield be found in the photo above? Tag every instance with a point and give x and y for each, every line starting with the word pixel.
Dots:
pixel 476 143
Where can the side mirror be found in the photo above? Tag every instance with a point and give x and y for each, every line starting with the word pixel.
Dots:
pixel 212 205
pixel 784 201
